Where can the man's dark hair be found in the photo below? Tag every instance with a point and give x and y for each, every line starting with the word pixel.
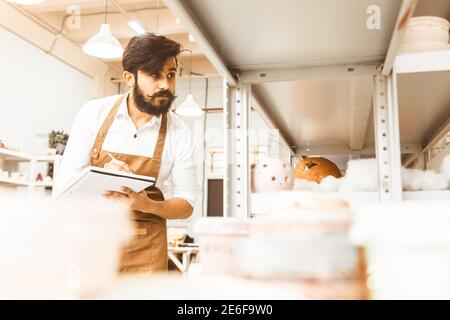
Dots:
pixel 148 52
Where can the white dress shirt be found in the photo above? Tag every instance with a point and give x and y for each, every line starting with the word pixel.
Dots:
pixel 177 175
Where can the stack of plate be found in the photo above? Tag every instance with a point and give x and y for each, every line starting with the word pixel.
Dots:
pixel 425 34
pixel 218 238
pixel 310 247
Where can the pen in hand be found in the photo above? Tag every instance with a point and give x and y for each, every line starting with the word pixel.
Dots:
pixel 111 156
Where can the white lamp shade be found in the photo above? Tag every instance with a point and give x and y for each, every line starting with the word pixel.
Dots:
pixel 103 44
pixel 189 108
pixel 26 1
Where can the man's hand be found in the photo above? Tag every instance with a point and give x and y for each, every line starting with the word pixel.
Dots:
pixel 176 208
pixel 117 165
pixel 132 200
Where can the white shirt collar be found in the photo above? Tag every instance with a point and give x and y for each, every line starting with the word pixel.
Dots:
pixel 122 113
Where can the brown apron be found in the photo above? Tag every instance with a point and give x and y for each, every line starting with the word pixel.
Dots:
pixel 147 251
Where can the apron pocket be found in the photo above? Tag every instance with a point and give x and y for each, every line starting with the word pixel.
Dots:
pixel 139 251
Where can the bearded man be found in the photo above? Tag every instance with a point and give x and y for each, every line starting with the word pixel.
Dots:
pixel 137 132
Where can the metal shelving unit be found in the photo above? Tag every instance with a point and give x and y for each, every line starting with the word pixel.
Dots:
pixel 292 52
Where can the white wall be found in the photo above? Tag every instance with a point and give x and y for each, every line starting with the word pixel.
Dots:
pixel 38 94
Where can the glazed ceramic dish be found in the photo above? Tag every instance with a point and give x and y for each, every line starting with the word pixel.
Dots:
pixel 217 238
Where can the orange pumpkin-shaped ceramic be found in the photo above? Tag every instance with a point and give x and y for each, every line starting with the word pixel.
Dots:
pixel 316 168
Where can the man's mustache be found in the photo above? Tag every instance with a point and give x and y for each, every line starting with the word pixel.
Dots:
pixel 162 94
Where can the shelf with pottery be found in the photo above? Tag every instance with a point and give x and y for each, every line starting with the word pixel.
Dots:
pixel 432 61
pixel 17 182
pixel 13 155
pixel 14 182
pixel 422 72
pixel 423 82
pixel 262 202
pixel 9 165
pixel 23 183
pixel 426 195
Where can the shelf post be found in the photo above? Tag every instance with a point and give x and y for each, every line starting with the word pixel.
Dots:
pixel 32 176
pixel 237 169
pixel 56 165
pixel 227 124
pixel 387 138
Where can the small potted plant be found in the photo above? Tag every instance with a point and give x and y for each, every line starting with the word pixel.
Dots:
pixel 57 141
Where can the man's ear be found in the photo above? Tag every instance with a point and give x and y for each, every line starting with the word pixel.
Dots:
pixel 129 78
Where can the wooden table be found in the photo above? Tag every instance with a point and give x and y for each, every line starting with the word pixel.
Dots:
pixel 186 253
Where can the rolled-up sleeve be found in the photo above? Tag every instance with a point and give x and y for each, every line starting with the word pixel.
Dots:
pixel 184 170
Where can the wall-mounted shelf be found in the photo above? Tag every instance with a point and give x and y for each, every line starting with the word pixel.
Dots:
pixel 12 155
pixel 10 161
pixel 14 182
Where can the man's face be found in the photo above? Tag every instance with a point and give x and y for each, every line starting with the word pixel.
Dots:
pixel 154 94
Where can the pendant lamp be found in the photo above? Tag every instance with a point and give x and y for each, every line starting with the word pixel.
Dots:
pixel 103 44
pixel 189 108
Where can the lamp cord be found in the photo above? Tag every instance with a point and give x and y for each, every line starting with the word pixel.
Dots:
pixel 60 31
pixel 157 17
pixel 106 10
pixel 190 72
pixel 204 146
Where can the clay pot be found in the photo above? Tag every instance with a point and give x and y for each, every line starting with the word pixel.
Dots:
pixel 316 168
pixel 269 175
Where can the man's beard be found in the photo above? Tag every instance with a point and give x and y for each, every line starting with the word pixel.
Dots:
pixel 148 104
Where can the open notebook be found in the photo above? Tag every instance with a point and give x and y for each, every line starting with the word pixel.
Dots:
pixel 94 181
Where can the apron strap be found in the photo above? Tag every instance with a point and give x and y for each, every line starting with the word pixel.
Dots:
pixel 104 128
pixel 159 147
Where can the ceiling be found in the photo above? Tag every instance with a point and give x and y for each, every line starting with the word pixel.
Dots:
pixel 295 33
pixel 60 17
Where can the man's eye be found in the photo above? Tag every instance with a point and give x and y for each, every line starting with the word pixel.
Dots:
pixel 171 75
